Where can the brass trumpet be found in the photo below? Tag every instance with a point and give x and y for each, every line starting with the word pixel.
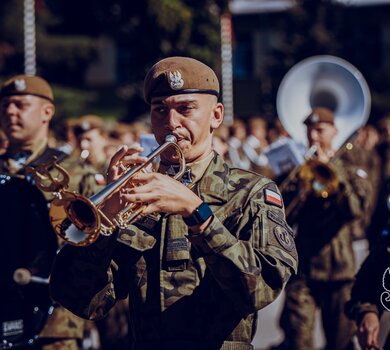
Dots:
pixel 314 177
pixel 79 220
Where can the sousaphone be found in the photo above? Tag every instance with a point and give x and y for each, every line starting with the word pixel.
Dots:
pixel 323 81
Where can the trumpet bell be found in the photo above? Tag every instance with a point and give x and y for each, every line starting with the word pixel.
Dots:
pixel 75 219
pixel 79 220
pixel 319 177
pixel 323 81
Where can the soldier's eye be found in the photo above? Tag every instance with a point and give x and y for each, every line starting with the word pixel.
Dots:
pixel 184 109
pixel 159 110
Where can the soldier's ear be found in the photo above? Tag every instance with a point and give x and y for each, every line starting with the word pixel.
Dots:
pixel 48 110
pixel 217 116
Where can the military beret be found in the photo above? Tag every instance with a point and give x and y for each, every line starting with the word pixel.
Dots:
pixel 179 75
pixel 320 115
pixel 27 85
pixel 88 122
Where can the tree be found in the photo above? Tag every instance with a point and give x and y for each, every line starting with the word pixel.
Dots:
pixel 143 32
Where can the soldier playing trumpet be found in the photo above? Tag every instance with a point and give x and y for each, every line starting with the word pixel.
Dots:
pixel 216 248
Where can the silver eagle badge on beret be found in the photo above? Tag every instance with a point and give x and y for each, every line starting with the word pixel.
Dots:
pixel 175 80
pixel 20 85
pixel 315 118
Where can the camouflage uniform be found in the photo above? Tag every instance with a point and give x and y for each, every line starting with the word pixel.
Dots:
pixel 188 292
pixel 368 164
pixel 326 269
pixel 61 324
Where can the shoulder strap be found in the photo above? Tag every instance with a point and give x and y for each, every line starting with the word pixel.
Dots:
pixel 45 157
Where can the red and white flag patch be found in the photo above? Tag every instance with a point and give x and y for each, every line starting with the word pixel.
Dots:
pixel 272 197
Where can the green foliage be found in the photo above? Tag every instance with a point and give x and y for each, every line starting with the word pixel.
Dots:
pixel 73 103
pixel 143 32
pixel 70 55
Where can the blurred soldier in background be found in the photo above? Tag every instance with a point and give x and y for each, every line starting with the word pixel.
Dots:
pixel 221 142
pixel 364 157
pixel 255 144
pixel 324 244
pixel 236 153
pixel 125 133
pixel 27 107
pixel 92 137
pixel 277 131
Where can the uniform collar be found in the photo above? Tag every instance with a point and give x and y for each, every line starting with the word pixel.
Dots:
pixel 194 170
pixel 209 178
pixel 15 161
pixel 213 186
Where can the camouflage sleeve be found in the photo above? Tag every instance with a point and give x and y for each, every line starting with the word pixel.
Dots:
pixel 81 278
pixel 251 253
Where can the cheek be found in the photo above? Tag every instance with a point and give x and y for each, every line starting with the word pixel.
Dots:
pixel 158 130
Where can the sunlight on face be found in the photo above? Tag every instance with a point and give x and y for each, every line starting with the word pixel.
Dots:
pixel 25 117
pixel 191 118
pixel 321 134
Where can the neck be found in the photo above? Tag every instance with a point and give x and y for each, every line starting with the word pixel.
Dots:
pixel 28 146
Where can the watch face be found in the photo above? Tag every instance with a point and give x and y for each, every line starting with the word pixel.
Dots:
pixel 199 216
pixel 203 213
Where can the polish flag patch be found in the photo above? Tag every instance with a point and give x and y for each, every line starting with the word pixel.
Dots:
pixel 272 197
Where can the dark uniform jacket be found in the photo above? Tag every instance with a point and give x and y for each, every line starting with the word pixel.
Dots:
pixel 324 239
pixel 199 292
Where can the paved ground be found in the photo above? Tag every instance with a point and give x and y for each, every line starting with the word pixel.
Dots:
pixel 268 331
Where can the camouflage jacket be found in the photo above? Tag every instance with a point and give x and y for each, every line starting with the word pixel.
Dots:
pixel 83 179
pixel 368 162
pixel 188 292
pixel 324 236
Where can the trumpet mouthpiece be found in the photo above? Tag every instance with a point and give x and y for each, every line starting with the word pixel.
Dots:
pixel 170 138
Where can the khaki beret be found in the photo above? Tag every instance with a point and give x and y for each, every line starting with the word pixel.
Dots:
pixel 320 115
pixel 27 85
pixel 89 122
pixel 179 75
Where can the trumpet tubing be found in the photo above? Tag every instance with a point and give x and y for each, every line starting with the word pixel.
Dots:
pixel 319 177
pixel 79 220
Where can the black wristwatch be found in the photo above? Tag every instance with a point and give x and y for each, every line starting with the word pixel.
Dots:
pixel 199 215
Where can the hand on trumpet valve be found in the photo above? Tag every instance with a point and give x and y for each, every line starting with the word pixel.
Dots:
pixel 323 155
pixel 162 194
pixel 123 159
